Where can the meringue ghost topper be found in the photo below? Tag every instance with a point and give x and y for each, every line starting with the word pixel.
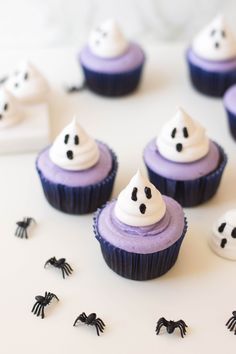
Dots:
pixel 107 40
pixel 140 203
pixel 216 41
pixel 10 111
pixel 182 139
pixel 74 149
pixel 223 238
pixel 27 84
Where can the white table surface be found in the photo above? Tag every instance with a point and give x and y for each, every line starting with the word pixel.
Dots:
pixel 201 287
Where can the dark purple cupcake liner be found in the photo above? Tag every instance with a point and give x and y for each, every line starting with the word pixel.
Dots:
pixel 191 192
pixel 113 85
pixel 232 123
pixel 79 200
pixel 211 83
pixel 138 266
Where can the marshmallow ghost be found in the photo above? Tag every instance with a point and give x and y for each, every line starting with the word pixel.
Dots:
pixel 107 40
pixel 10 112
pixel 28 85
pixel 216 41
pixel 223 239
pixel 74 149
pixel 182 139
pixel 140 203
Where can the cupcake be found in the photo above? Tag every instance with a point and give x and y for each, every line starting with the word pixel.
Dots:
pixel 112 65
pixel 10 111
pixel 183 163
pixel 230 107
pixel 141 232
pixel 28 85
pixel 223 238
pixel 212 59
pixel 77 173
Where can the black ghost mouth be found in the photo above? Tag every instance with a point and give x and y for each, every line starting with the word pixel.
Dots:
pixel 217 45
pixel 142 208
pixel 70 155
pixel 179 147
pixel 223 243
pixel 0 116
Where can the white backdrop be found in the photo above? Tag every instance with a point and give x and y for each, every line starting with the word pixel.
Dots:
pixel 50 23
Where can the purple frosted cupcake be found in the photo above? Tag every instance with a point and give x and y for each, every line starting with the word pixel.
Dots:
pixel 141 232
pixel 230 107
pixel 183 162
pixel 77 173
pixel 212 59
pixel 112 66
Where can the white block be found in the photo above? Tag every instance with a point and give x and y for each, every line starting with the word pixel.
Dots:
pixel 29 135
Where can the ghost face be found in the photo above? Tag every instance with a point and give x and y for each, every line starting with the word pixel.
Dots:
pixel 144 196
pixel 179 136
pixel 107 41
pixel 28 85
pixel 9 111
pixel 71 141
pixel 216 41
pixel 223 240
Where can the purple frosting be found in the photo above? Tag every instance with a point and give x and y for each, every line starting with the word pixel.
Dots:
pixel 144 240
pixel 230 99
pixel 181 171
pixel 94 174
pixel 130 60
pixel 211 65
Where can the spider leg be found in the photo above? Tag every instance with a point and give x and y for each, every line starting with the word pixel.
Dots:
pixel 83 316
pixel 36 309
pixel 230 320
pixel 158 327
pixel 97 329
pixel 77 319
pixel 69 267
pixel 181 325
pixel 17 231
pixel 42 312
pixel 39 312
pixel 53 295
pixel 100 327
pixel 20 234
pixel 34 306
pixel 181 330
pixel 101 322
pixel 65 270
pixel 232 325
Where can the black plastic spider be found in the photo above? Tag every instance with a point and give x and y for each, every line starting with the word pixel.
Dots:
pixel 61 264
pixel 92 320
pixel 231 323
pixel 76 88
pixel 42 302
pixel 171 325
pixel 21 230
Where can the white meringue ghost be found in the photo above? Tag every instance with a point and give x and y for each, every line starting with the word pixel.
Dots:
pixel 216 41
pixel 182 139
pixel 223 238
pixel 107 40
pixel 10 111
pixel 28 85
pixel 140 203
pixel 74 149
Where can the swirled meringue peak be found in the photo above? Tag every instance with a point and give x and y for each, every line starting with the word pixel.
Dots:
pixel 182 139
pixel 223 238
pixel 140 203
pixel 27 84
pixel 107 40
pixel 10 112
pixel 74 149
pixel 216 41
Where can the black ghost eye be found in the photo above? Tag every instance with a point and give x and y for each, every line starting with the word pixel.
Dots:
pixel 134 194
pixel 233 233
pixel 66 138
pixel 222 227
pixel 76 140
pixel 173 133
pixel 148 192
pixel 223 34
pixel 142 208
pixel 26 76
pixel 212 32
pixel 5 107
pixel 185 132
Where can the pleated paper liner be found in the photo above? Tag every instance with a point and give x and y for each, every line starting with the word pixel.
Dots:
pixel 191 192
pixel 79 200
pixel 138 266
